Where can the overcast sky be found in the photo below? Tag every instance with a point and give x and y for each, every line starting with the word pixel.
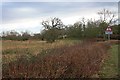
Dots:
pixel 21 16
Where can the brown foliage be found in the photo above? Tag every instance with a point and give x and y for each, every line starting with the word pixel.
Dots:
pixel 77 61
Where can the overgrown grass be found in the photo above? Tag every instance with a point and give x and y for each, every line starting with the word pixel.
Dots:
pixel 75 61
pixel 35 44
pixel 13 49
pixel 110 66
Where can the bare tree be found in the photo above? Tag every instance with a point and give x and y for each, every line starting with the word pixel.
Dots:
pixel 53 23
pixel 106 15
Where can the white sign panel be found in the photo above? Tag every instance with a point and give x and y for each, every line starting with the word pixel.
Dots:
pixel 108 32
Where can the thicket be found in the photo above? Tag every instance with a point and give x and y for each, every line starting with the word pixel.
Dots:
pixel 78 61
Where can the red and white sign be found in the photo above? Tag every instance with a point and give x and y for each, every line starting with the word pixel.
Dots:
pixel 108 30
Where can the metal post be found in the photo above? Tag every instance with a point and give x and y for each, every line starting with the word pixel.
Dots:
pixel 108 36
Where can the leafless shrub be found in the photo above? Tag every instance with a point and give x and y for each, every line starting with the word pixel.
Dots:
pixel 77 61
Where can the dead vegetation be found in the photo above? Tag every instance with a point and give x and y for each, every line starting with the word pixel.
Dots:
pixel 75 61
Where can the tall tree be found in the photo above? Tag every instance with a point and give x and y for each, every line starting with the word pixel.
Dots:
pixel 75 31
pixel 107 18
pixel 52 29
pixel 106 15
pixel 91 29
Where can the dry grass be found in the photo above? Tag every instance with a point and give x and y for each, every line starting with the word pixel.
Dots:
pixel 33 44
pixel 13 49
pixel 75 61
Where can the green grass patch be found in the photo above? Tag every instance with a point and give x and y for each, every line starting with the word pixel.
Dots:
pixel 110 66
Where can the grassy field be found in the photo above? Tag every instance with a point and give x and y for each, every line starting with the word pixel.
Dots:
pixel 110 66
pixel 13 49
pixel 64 58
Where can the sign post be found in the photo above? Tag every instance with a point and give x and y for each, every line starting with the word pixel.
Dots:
pixel 108 32
pixel 108 36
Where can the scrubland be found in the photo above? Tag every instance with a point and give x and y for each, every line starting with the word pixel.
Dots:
pixel 62 59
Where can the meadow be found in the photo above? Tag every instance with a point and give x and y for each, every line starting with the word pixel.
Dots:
pixel 61 59
pixel 13 49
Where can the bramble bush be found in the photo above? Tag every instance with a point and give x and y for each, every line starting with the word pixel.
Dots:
pixel 82 60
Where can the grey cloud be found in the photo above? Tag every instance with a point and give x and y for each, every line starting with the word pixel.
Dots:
pixel 46 8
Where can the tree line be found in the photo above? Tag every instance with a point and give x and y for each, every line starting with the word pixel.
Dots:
pixel 54 29
pixel 20 36
pixel 88 29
